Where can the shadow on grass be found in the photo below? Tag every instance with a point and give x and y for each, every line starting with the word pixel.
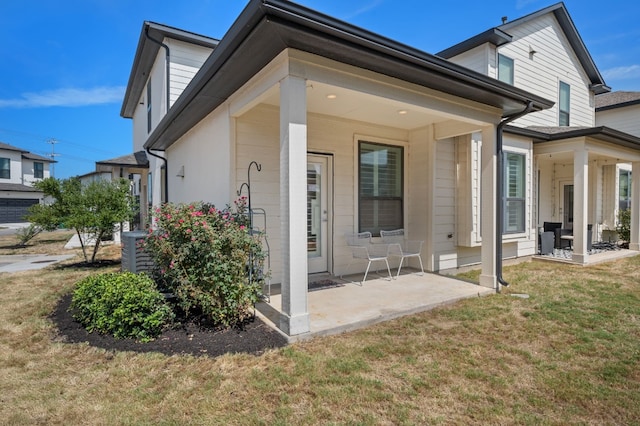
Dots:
pixel 95 265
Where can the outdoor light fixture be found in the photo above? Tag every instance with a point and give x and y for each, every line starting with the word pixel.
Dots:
pixel 332 96
pixel 403 112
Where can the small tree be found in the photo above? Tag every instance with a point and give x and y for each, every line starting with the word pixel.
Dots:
pixel 92 210
pixel 624 226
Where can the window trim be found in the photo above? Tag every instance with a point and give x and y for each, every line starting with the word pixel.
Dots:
pixel 404 145
pixel 7 170
pixel 564 114
pixel 520 199
pixel 38 169
pixel 511 77
pixel 628 195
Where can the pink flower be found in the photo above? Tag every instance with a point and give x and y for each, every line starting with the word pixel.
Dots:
pixel 241 226
pixel 188 231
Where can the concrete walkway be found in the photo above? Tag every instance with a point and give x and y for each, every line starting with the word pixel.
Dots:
pixel 341 309
pixel 28 262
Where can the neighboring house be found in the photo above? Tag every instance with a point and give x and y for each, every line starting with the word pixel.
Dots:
pixel 356 132
pixel 562 164
pixel 19 169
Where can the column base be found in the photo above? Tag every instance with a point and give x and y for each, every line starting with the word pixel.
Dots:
pixel 634 246
pixel 294 325
pixel 579 258
pixel 490 281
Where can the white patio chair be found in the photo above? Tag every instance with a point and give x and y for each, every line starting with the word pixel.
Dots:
pixel 401 247
pixel 362 249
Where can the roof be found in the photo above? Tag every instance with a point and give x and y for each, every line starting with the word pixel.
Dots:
pixel 618 99
pixel 267 27
pixel 137 159
pixel 566 23
pixel 17 187
pixel 8 147
pixel 146 55
pixel 603 133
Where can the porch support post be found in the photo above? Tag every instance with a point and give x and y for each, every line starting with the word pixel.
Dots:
pixel 634 240
pixel 144 199
pixel 488 275
pixel 293 205
pixel 580 204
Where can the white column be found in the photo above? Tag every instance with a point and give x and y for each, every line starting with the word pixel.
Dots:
pixel 634 239
pixel 488 276
pixel 144 200
pixel 293 205
pixel 580 204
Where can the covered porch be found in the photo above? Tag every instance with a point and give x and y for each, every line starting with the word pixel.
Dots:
pixel 350 306
pixel 579 191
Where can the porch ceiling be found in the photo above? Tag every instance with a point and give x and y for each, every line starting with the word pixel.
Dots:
pixel 349 104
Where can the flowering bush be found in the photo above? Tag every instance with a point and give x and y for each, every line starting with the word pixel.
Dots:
pixel 208 259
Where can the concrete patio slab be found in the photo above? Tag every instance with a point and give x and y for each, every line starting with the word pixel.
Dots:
pixel 341 309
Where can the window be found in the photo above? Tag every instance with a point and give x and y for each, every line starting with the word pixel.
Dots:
pixel 149 106
pixel 564 103
pixel 505 69
pixel 38 170
pixel 624 190
pixel 514 192
pixel 5 168
pixel 380 187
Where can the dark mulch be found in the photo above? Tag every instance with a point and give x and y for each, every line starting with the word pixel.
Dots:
pixel 189 339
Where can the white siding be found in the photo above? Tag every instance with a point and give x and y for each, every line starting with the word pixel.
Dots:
pixel 481 59
pixel 28 170
pixel 626 119
pixel 15 164
pixel 185 61
pixel 540 73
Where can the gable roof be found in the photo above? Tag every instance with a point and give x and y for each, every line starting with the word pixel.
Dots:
pixel 566 23
pixel 7 147
pixel 555 133
pixel 267 27
pixel 617 99
pixel 25 154
pixel 146 54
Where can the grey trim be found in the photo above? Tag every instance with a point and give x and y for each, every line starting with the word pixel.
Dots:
pixel 603 133
pixel 494 36
pixel 620 105
pixel 146 55
pixel 267 27
pixel 18 187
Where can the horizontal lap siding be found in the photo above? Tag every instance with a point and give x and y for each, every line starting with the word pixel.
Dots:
pixel 624 119
pixel 445 250
pixel 185 61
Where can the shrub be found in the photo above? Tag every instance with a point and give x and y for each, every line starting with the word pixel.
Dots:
pixel 624 225
pixel 27 233
pixel 125 305
pixel 204 256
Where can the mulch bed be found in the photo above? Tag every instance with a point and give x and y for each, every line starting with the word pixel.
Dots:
pixel 188 339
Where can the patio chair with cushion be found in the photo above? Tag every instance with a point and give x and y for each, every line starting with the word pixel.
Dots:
pixel 362 249
pixel 401 247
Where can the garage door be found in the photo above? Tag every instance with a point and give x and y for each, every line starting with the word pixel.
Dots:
pixel 13 210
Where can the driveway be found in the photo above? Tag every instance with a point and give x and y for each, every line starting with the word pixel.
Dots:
pixel 11 228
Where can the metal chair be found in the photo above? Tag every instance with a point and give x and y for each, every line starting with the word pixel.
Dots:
pixel 363 249
pixel 402 248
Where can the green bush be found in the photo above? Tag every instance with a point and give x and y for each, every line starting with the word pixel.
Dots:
pixel 204 256
pixel 624 225
pixel 27 233
pixel 124 305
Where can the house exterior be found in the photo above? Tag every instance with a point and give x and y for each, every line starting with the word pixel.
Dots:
pixel 355 132
pixel 570 172
pixel 19 169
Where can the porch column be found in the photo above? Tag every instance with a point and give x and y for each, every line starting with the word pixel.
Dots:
pixel 488 275
pixel 144 199
pixel 580 204
pixel 634 239
pixel 293 205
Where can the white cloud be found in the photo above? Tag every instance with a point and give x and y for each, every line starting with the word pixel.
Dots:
pixel 69 97
pixel 521 4
pixel 364 9
pixel 622 73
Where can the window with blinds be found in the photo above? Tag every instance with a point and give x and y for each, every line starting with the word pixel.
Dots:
pixel 514 193
pixel 380 187
pixel 624 190
pixel 5 168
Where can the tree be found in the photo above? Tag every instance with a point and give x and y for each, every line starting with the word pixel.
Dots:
pixel 92 210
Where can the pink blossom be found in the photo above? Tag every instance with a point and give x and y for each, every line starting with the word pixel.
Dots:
pixel 241 226
pixel 188 231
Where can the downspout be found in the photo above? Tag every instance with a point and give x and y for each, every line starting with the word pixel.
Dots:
pixel 168 102
pixel 500 191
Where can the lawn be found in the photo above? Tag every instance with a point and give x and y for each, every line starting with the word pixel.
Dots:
pixel 567 354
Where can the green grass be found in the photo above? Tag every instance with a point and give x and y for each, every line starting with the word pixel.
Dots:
pixel 569 354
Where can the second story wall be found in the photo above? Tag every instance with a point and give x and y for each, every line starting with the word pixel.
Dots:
pixel 186 60
pixel 625 119
pixel 34 171
pixel 14 169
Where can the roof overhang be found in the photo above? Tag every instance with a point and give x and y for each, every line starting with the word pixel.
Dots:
pixel 146 54
pixel 267 27
pixel 494 36
pixel 601 133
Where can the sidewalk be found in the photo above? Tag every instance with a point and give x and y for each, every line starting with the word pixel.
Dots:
pixel 29 262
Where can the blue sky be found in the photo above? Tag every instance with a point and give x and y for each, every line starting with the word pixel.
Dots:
pixel 66 63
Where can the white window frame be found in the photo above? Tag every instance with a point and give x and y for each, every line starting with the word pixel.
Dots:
pixel 564 112
pixel 510 78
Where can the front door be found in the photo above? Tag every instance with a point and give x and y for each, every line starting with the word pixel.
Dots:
pixel 318 199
